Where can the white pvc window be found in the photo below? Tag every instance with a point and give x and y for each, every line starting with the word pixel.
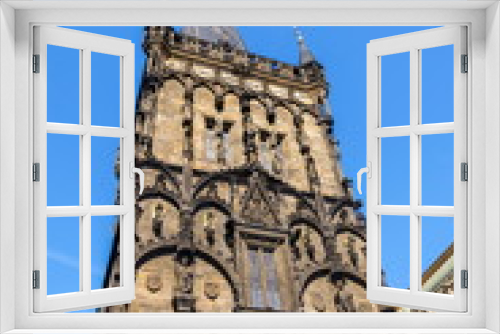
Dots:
pixel 414 148
pixel 67 201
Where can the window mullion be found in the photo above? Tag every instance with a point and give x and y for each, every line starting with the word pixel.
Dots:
pixel 85 167
pixel 414 168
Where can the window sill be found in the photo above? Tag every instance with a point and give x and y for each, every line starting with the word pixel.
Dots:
pixel 256 331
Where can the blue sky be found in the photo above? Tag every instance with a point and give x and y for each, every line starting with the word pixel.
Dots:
pixel 342 51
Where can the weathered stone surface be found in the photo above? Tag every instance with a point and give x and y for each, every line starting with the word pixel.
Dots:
pixel 263 209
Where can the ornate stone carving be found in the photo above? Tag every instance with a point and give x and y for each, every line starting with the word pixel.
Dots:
pixel 260 201
pixel 158 216
pixel 352 252
pixel 318 302
pixel 211 288
pixel 209 227
pixel 154 282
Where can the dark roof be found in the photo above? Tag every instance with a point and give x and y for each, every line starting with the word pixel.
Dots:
pixel 215 34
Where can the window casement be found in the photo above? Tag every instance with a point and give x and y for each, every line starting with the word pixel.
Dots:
pixel 416 137
pixel 85 130
pixel 482 100
pixel 263 278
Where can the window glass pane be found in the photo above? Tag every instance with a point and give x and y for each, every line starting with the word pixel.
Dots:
pixel 255 279
pixel 105 170
pixel 437 169
pixel 102 235
pixel 437 254
pixel 105 91
pixel 437 84
pixel 91 310
pixel 63 85
pixel 395 89
pixel 395 241
pixel 395 171
pixel 63 170
pixel 272 292
pixel 63 255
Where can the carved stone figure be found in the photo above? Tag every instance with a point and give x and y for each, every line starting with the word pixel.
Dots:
pixel 209 227
pixel 154 283
pixel 318 302
pixel 351 251
pixel 211 288
pixel 158 217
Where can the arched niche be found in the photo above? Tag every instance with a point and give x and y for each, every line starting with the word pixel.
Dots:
pixel 344 215
pixel 212 290
pixel 154 285
pixel 160 219
pixel 343 294
pixel 361 304
pixel 319 295
pixel 352 250
pixel 308 244
pixel 210 229
pixel 168 135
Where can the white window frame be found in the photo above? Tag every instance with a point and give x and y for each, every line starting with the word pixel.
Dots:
pixel 483 21
pixel 85 43
pixel 413 43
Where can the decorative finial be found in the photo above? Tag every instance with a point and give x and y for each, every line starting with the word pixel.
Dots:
pixel 299 35
pixel 305 55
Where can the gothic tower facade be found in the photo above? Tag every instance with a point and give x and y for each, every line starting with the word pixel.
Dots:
pixel 245 207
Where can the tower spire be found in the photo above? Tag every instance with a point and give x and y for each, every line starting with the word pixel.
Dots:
pixel 305 54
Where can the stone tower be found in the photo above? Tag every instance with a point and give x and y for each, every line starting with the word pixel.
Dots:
pixel 245 207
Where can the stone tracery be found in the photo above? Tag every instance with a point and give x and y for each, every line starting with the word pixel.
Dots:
pixel 266 179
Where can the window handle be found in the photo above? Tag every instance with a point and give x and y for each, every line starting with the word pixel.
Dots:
pixel 133 171
pixel 368 171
